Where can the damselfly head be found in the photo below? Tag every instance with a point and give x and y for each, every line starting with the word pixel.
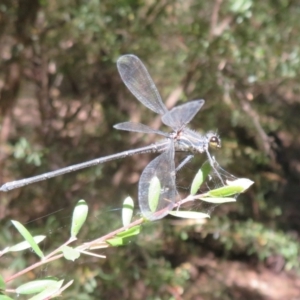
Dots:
pixel 214 140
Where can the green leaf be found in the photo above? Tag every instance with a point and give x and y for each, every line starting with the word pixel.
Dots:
pixel 35 286
pixel 70 253
pixel 218 200
pixel 51 290
pixel 124 237
pixel 225 191
pixel 200 177
pixel 127 211
pixel 240 6
pixel 28 237
pixel 2 283
pixel 245 183
pixel 25 245
pixel 117 241
pixel 154 193
pixel 79 216
pixel 4 297
pixel 188 214
pixel 232 188
pixel 130 232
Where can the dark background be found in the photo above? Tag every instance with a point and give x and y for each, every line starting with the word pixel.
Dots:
pixel 60 95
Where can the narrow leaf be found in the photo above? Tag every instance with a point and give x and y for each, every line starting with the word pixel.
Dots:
pixel 225 191
pixel 70 253
pixel 242 182
pixel 115 242
pixel 233 187
pixel 79 216
pixel 127 211
pixel 25 245
pixel 217 200
pixel 35 286
pixel 4 297
pixel 51 290
pixel 119 241
pixel 28 237
pixel 188 214
pixel 130 232
pixel 200 177
pixel 2 283
pixel 124 237
pixel 154 193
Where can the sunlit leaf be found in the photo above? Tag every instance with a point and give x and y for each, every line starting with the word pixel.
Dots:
pixel 130 232
pixel 218 200
pixel 127 211
pixel 70 253
pixel 28 237
pixel 51 290
pixel 35 286
pixel 124 237
pixel 79 217
pixel 200 177
pixel 154 193
pixel 188 214
pixel 225 191
pixel 242 182
pixel 117 241
pixel 240 6
pixel 4 297
pixel 233 187
pixel 25 245
pixel 2 283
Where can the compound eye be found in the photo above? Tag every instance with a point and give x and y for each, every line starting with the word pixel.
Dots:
pixel 215 142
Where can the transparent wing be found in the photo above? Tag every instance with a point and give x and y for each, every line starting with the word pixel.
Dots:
pixel 138 127
pixel 137 79
pixel 162 171
pixel 181 115
pixel 217 176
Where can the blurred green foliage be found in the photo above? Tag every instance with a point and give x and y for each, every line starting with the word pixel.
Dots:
pixel 61 94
